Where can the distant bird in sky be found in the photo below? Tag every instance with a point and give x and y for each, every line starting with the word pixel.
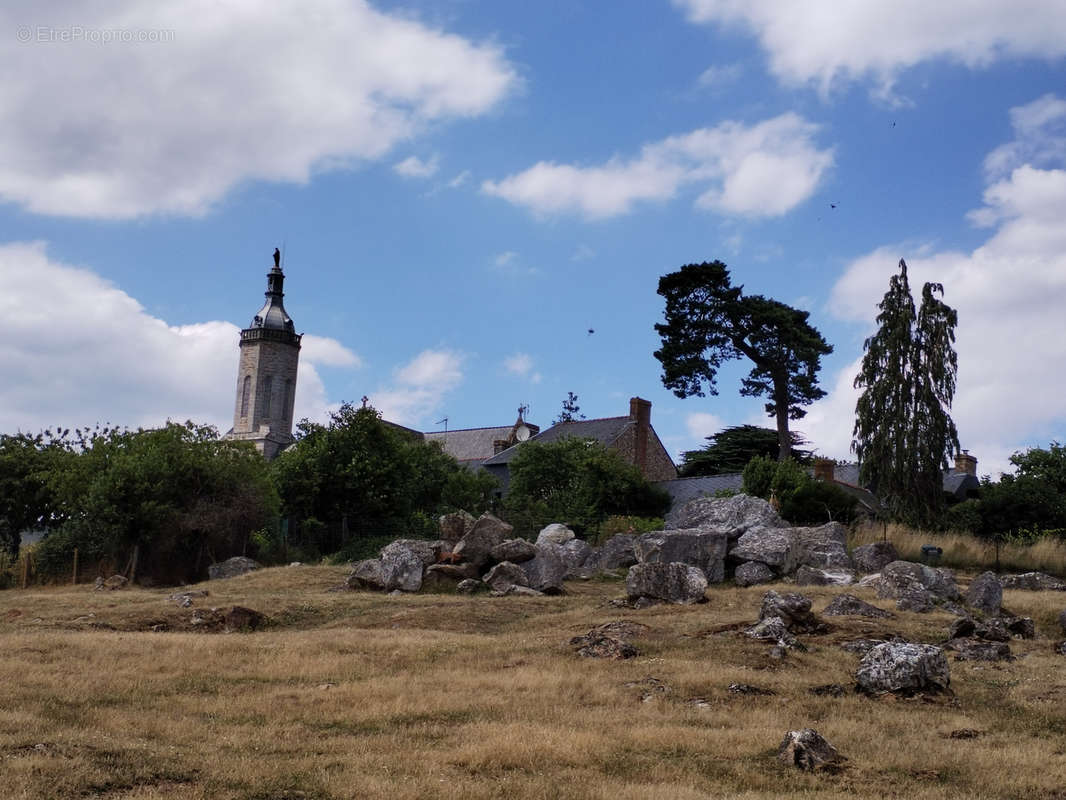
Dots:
pixel 591 331
pixel 832 205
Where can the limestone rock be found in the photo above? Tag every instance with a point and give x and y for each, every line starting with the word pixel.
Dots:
pixel 751 573
pixel 917 587
pixel 773 546
pixel 872 557
pixel 231 567
pixel 597 645
pixel 427 550
pixel 812 576
pixel 110 584
pixel 903 668
pixel 454 572
pixel 547 570
pixel 1033 581
pixel 468 586
pixel 850 605
pixel 697 548
pixel 793 609
pixel 771 629
pixel 807 750
pixel 367 574
pixel 823 547
pixel 615 553
pixel 514 550
pixel 576 553
pixel 476 545
pixel 556 533
pixel 454 527
pixel 730 515
pixel 519 591
pixel 239 618
pixel 986 593
pixel 672 582
pixel 505 575
pixel 402 566
pixel 978 650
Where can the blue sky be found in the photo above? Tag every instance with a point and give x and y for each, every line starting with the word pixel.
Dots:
pixel 463 189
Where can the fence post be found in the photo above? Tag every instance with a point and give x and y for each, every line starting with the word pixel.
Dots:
pixel 74 578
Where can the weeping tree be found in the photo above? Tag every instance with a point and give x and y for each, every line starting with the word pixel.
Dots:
pixel 903 432
pixel 709 321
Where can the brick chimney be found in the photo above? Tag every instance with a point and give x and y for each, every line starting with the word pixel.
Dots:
pixel 824 469
pixel 966 463
pixel 640 412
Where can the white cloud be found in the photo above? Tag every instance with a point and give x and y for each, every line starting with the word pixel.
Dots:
pixel 1009 292
pixel 78 350
pixel 521 364
pixel 583 253
pixel 761 170
pixel 459 179
pixel 507 263
pixel 828 42
pixel 420 387
pixel 327 352
pixel 700 425
pixel 414 167
pixel 720 75
pixel 505 258
pixel 239 92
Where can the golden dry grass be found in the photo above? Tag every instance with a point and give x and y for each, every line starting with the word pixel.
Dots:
pixel 356 695
pixel 964 550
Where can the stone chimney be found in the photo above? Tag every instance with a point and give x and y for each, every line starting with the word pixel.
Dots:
pixel 824 469
pixel 966 463
pixel 640 412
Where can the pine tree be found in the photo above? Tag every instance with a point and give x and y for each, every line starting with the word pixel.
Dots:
pixel 903 432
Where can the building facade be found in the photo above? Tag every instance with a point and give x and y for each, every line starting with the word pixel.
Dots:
pixel 266 373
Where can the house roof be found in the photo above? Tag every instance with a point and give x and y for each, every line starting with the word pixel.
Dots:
pixel 605 431
pixel 470 444
pixel 681 490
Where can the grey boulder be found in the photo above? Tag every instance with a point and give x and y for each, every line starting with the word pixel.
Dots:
pixel 505 575
pixel 697 548
pixel 903 668
pixel 366 574
pixel 672 582
pixel 872 557
pixel 476 546
pixel 807 750
pixel 773 546
pixel 751 573
pixel 556 533
pixel 455 526
pixel 231 568
pixel 1033 582
pixel 812 576
pixel 730 515
pixel 513 550
pixel 547 570
pixel 823 547
pixel 794 609
pixel 986 593
pixel 852 606
pixel 402 566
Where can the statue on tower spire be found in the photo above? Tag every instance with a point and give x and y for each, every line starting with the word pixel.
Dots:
pixel 277 258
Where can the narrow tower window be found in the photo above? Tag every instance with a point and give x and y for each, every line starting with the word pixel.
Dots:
pixel 245 395
pixel 268 388
pixel 286 412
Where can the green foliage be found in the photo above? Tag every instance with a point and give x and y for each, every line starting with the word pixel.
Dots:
pixel 178 494
pixel 359 476
pixel 709 321
pixel 758 476
pixel 964 517
pixel 802 499
pixel 730 450
pixel 577 482
pixel 27 497
pixel 1045 465
pixel 571 410
pixel 903 433
pixel 626 523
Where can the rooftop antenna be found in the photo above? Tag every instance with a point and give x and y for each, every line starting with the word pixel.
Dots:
pixel 445 423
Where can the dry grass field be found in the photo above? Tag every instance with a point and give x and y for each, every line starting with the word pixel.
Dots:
pixel 354 695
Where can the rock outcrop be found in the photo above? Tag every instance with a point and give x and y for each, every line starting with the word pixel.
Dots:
pixel 850 605
pixel 751 573
pixel 807 750
pixel 917 587
pixel 1033 582
pixel 702 549
pixel 903 668
pixel 870 558
pixel 985 593
pixel 231 568
pixel 476 545
pixel 669 582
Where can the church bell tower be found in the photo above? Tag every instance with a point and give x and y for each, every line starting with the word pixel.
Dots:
pixel 266 373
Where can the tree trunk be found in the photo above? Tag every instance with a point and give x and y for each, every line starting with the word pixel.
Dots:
pixel 784 437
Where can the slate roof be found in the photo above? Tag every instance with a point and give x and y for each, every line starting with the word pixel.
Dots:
pixel 605 431
pixel 681 490
pixel 470 444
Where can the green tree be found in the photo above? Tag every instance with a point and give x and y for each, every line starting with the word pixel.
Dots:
pixel 571 410
pixel 178 497
pixel 730 450
pixel 903 433
pixel 27 498
pixel 709 322
pixel 1045 465
pixel 362 475
pixel 802 500
pixel 578 482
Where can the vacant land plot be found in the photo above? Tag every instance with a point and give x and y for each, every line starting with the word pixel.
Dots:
pixel 351 695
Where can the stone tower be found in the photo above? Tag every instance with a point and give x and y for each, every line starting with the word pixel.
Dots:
pixel 266 373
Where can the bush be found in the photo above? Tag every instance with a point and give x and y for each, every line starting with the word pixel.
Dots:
pixel 964 517
pixel 802 499
pixel 621 523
